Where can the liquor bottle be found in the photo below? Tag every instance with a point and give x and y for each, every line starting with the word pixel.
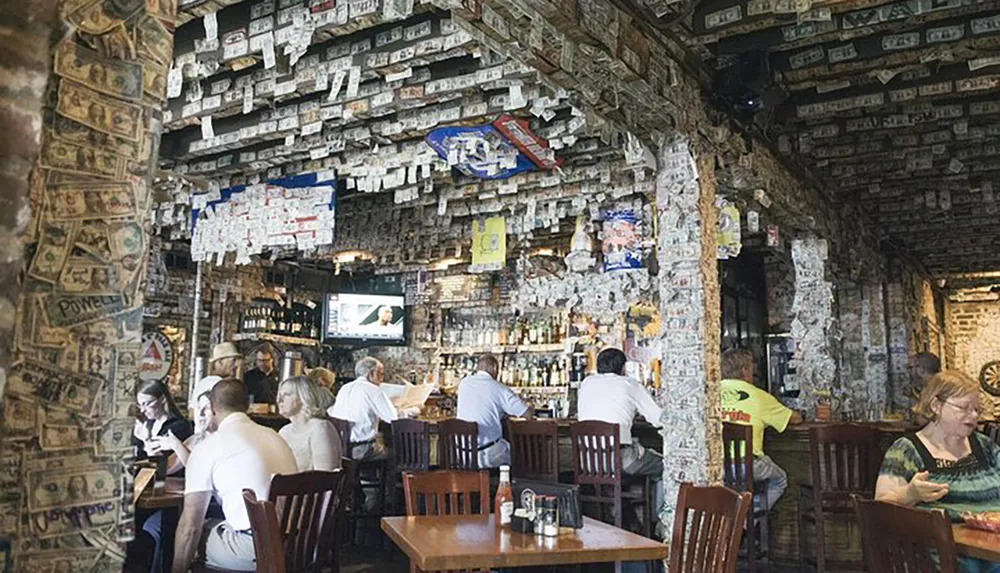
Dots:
pixel 504 509
pixel 271 324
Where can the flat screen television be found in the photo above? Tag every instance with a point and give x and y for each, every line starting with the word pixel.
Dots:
pixel 364 317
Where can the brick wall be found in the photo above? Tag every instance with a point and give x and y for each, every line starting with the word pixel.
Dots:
pixel 973 327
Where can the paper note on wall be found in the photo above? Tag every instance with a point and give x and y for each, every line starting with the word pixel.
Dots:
pixel 489 244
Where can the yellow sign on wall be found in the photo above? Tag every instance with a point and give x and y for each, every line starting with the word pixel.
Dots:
pixel 489 244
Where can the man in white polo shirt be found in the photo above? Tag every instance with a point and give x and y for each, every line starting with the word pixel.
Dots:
pixel 240 454
pixel 483 400
pixel 363 404
pixel 610 396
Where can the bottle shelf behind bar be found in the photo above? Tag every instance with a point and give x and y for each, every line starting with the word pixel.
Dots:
pixel 277 338
pixel 530 348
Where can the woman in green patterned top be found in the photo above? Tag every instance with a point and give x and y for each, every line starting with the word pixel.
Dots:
pixel 947 464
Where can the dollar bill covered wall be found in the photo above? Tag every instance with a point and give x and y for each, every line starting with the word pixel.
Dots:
pixel 66 448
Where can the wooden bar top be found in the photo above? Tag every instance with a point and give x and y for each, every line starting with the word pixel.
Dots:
pixel 473 541
pixel 977 543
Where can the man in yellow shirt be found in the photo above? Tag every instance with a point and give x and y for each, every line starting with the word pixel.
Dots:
pixel 744 403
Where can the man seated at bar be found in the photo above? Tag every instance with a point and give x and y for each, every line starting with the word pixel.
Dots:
pixel 239 455
pixel 483 400
pixel 262 380
pixel 610 396
pixel 744 403
pixel 363 404
pixel 947 464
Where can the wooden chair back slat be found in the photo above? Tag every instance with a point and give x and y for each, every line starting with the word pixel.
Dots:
pixel 708 527
pixel 447 492
pixel 899 539
pixel 458 445
pixel 843 459
pixel 267 539
pixel 307 505
pixel 534 449
pixel 597 465
pixel 411 445
pixel 737 454
pixel 344 431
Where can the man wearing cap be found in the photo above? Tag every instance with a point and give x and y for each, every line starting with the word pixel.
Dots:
pixel 262 381
pixel 226 361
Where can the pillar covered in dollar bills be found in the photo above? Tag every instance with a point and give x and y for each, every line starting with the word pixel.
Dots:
pixel 66 449
pixel 814 325
pixel 689 307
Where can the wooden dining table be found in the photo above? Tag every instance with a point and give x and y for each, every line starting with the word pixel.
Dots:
pixel 171 496
pixel 977 543
pixel 436 543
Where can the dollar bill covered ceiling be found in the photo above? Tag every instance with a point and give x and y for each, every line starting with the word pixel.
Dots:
pixel 377 93
pixel 892 103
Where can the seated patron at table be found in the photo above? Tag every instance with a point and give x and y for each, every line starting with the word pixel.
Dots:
pixel 226 361
pixel 483 400
pixel 947 464
pixel 146 552
pixel 158 417
pixel 363 404
pixel 262 380
pixel 239 455
pixel 744 403
pixel 610 396
pixel 313 438
pixel 204 425
pixel 324 377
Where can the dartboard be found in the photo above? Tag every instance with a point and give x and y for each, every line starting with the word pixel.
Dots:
pixel 989 377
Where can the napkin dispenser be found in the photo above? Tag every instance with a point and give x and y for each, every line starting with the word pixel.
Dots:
pixel 568 495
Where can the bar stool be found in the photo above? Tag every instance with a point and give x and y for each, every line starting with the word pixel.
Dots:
pixel 597 469
pixel 843 460
pixel 737 454
pixel 411 451
pixel 458 445
pixel 534 452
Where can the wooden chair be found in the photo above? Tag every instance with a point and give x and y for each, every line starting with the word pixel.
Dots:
pixel 899 539
pixel 597 469
pixel 344 430
pixel 708 526
pixel 411 452
pixel 458 445
pixel 992 431
pixel 534 449
pixel 268 543
pixel 737 454
pixel 411 445
pixel 308 505
pixel 843 460
pixel 447 492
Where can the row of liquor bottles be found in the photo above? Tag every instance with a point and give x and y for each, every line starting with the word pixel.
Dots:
pixel 480 331
pixel 519 370
pixel 269 317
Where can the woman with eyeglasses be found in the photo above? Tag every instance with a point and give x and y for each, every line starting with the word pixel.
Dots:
pixel 947 464
pixel 158 417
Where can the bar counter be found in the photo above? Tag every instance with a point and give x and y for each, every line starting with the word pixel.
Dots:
pixel 790 450
pixel 647 434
